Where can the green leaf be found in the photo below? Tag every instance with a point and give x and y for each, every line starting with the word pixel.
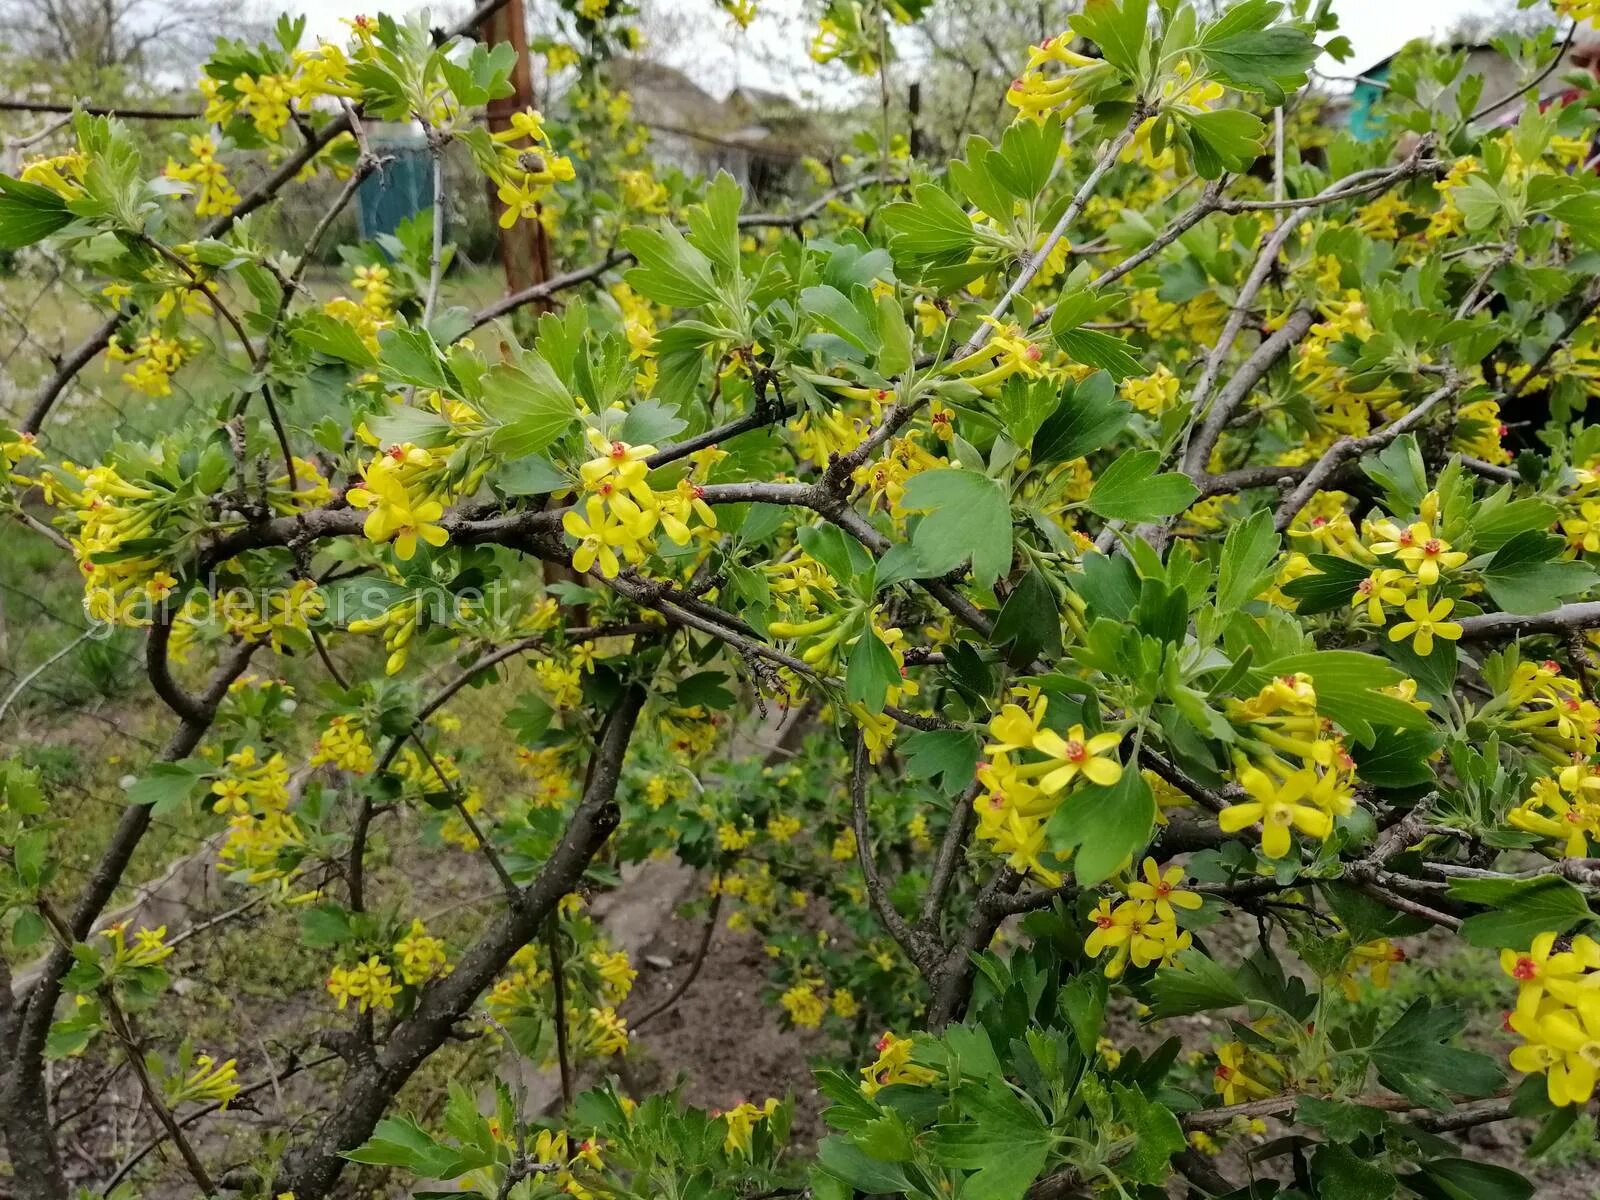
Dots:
pixel 1245 569
pixel 167 786
pixel 1157 1136
pixel 1519 909
pixel 1397 758
pixel 836 313
pixel 933 227
pixel 401 1142
pixel 1003 1141
pixel 1242 51
pixel 530 717
pixel 1029 622
pixel 1121 30
pixel 870 673
pixel 332 337
pixel 705 687
pixel 847 1162
pixel 1523 578
pixel 650 422
pixel 1099 349
pixel 1083 1002
pixel 1414 1057
pixel 1224 139
pixel 410 356
pixel 1463 1179
pixel 1196 984
pixel 1131 490
pixel 1027 157
pixel 947 755
pixel 714 224
pixel 1088 417
pixel 1103 827
pixel 325 925
pixel 1342 1175
pixel 1341 1120
pixel 1023 406
pixel 29 213
pixel 1333 586
pixel 670 270
pixel 27 929
pixel 1496 522
pixel 967 517
pixel 531 475
pixel 1347 684
pixel 398 424
pixel 531 406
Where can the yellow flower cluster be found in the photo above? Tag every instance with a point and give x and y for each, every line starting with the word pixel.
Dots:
pixel 61 173
pixel 1005 354
pixel 343 744
pixel 526 167
pixel 1142 929
pixel 604 1032
pixel 421 956
pixel 147 949
pixel 1054 79
pixel 894 1066
pixel 370 984
pixel 806 1003
pixel 398 489
pixel 1557 1014
pixel 213 193
pixel 1028 767
pixel 207 1080
pixel 155 360
pixel 1153 394
pixel 1377 957
pixel 373 313
pixel 248 785
pixel 741 1121
pixel 271 101
pixel 1552 712
pixel 620 512
pixel 1282 720
pixel 1241 1073
pixel 398 624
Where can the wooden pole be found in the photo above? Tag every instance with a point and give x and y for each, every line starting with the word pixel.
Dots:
pixel 524 248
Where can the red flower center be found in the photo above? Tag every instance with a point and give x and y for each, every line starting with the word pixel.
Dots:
pixel 1525 969
pixel 1076 751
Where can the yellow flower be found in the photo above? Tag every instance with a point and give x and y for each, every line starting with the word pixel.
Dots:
pixel 1279 806
pixel 1425 624
pixel 894 1066
pixel 1231 1080
pixel 396 515
pixel 421 957
pixel 1161 890
pixel 805 1008
pixel 741 1122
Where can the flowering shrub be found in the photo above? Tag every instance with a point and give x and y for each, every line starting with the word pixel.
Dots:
pixel 1134 535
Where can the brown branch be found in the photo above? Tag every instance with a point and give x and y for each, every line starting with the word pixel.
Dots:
pixel 152 1095
pixel 1239 388
pixel 919 947
pixel 1348 448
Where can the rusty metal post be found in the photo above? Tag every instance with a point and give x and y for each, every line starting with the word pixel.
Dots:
pixel 524 248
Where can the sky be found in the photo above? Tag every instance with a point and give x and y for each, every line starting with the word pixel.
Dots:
pixel 719 58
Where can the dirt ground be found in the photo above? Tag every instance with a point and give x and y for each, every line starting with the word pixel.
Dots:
pixel 719 1038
